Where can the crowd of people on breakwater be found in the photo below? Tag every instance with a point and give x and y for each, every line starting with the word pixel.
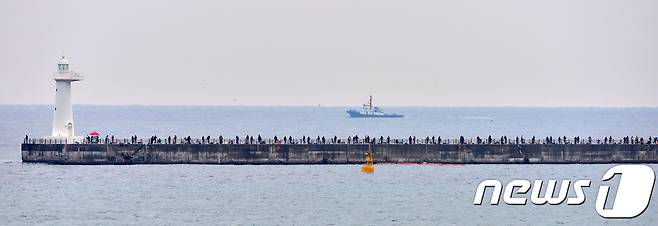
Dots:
pixel 435 140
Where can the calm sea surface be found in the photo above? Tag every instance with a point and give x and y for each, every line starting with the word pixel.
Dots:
pixel 307 195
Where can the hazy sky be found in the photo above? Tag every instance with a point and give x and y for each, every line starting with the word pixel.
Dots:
pixel 334 52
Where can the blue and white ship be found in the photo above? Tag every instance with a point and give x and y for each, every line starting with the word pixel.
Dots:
pixel 368 111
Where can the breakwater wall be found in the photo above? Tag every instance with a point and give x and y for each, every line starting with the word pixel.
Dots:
pixel 338 153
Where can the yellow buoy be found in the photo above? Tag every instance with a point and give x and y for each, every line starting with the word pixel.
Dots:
pixel 368 167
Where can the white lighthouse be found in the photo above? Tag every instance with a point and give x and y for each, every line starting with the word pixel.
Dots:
pixel 63 126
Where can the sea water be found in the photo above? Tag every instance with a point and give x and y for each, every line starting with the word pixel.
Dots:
pixel 299 194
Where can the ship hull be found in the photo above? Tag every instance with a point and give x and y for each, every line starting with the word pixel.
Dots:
pixel 356 114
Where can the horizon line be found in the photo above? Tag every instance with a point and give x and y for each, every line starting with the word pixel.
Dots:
pixel 319 105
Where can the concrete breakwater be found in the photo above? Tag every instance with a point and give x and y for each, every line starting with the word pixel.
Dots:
pixel 338 153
